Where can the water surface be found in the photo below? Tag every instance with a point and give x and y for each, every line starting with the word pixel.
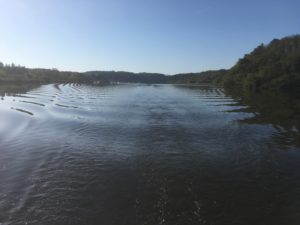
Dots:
pixel 145 155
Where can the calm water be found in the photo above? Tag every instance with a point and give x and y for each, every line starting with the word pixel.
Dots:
pixel 146 155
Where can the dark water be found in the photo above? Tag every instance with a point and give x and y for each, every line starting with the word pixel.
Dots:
pixel 147 155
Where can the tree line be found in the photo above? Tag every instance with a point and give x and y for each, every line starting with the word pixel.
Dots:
pixel 19 74
pixel 271 67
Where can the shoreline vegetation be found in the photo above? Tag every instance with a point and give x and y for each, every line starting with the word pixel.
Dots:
pixel 274 67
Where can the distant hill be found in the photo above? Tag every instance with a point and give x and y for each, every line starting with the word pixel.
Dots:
pixel 207 77
pixel 12 74
pixel 275 66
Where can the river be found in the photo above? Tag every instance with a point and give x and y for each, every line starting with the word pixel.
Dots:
pixel 138 154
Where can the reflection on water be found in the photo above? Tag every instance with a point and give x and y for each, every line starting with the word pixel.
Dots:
pixel 147 154
pixel 280 111
pixel 7 90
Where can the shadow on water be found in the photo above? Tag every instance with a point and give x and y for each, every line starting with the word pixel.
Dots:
pixel 280 111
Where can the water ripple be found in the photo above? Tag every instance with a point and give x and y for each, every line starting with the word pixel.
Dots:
pixel 142 154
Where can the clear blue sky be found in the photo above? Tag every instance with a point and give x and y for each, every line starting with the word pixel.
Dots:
pixel 168 36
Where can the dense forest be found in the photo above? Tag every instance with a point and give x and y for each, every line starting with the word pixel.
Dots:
pixel 271 67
